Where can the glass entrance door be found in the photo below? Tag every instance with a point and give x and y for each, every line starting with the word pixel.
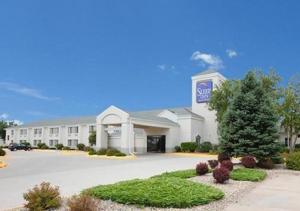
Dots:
pixel 156 143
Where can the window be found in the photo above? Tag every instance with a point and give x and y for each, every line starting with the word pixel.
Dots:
pixel 53 143
pixel 92 128
pixel 37 131
pixel 54 130
pixel 23 132
pixel 72 130
pixel 12 132
pixel 8 138
pixel 72 142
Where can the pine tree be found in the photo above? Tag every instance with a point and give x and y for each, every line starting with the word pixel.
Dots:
pixel 249 126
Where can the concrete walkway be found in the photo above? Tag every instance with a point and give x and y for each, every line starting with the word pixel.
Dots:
pixel 281 193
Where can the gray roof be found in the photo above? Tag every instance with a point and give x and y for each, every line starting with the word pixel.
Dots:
pixel 209 71
pixel 151 115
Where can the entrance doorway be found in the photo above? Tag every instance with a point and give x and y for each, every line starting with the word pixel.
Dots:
pixel 156 143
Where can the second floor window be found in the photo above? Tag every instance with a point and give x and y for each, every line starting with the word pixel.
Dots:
pixel 23 132
pixel 72 130
pixel 54 130
pixel 92 128
pixel 37 131
pixel 12 132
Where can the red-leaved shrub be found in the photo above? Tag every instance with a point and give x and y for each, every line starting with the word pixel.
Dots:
pixel 227 164
pixel 248 161
pixel 265 163
pixel 201 168
pixel 221 174
pixel 213 163
pixel 223 156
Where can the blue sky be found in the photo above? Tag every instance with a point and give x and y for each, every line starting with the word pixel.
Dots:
pixel 70 58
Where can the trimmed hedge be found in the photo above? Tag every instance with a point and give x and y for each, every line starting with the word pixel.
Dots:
pixel 188 146
pixel 293 161
pixel 205 147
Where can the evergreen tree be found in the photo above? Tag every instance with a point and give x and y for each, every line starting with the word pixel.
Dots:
pixel 249 126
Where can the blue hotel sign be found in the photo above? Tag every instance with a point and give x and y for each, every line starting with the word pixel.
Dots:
pixel 203 91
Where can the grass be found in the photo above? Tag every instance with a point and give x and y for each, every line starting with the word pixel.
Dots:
pixel 246 174
pixel 183 174
pixel 158 192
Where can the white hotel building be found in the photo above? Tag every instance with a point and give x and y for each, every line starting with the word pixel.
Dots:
pixel 132 132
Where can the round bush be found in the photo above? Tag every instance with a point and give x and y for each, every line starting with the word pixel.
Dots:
pixel 227 164
pixel 265 163
pixel 2 152
pixel 177 149
pixel 293 161
pixel 59 146
pixel 205 146
pixel 213 163
pixel 83 203
pixel 92 152
pixel 102 152
pixel 248 161
pixel 43 197
pixel 223 156
pixel 201 168
pixel 221 175
pixel 80 147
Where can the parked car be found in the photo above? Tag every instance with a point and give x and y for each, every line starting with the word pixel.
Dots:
pixel 15 146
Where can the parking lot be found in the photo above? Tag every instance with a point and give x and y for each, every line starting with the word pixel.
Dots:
pixel 73 173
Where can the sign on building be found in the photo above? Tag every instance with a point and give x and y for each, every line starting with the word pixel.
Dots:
pixel 203 91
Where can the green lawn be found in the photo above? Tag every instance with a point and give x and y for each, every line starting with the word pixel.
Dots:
pixel 183 174
pixel 246 174
pixel 158 192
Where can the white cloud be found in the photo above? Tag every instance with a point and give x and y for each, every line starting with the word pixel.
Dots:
pixel 167 68
pixel 4 116
pixel 25 91
pixel 212 61
pixel 231 53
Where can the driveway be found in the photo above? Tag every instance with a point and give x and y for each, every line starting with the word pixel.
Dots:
pixel 73 173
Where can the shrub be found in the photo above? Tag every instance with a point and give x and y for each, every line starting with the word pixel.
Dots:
pixel 223 156
pixel 82 203
pixel 246 174
pixel 42 146
pixel 92 152
pixel 112 152
pixel 215 149
pixel 120 154
pixel 188 146
pixel 42 197
pixel 183 174
pixel 221 175
pixel 277 159
pixel 2 152
pixel 205 146
pixel 293 161
pixel 248 161
pixel 59 146
pixel 201 169
pixel 265 163
pixel 101 152
pixel 66 148
pixel 87 148
pixel 227 164
pixel 80 147
pixel 177 149
pixel 213 163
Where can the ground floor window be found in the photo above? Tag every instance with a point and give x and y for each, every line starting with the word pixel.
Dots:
pixel 53 143
pixel 36 142
pixel 72 142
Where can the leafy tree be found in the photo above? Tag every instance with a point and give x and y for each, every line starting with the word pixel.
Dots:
pixel 222 96
pixel 290 113
pixel 3 126
pixel 92 138
pixel 249 126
